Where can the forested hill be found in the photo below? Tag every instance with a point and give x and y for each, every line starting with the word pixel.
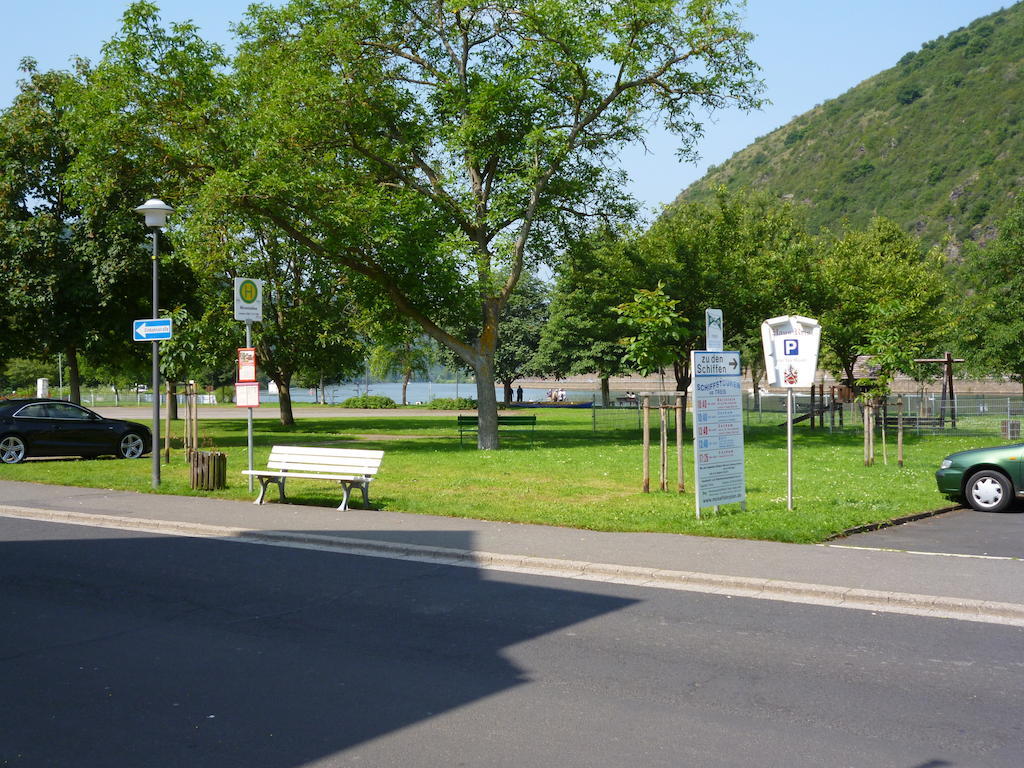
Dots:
pixel 935 143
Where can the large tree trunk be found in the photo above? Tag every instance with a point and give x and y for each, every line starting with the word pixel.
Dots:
pixel 284 399
pixel 507 387
pixel 606 392
pixel 406 375
pixel 74 379
pixel 482 362
pixel 486 404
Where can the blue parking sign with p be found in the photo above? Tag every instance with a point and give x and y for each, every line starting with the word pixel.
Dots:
pixel 791 346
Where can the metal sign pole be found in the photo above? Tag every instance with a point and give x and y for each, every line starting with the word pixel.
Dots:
pixel 248 343
pixel 789 449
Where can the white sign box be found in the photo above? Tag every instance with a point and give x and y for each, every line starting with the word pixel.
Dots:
pixel 714 331
pixel 790 350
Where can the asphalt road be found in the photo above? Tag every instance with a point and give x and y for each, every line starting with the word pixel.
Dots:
pixel 125 649
pixel 962 531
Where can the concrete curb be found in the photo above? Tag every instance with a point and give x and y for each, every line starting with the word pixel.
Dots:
pixel 962 609
pixel 890 523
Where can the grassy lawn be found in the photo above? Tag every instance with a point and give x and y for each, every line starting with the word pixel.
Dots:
pixel 571 477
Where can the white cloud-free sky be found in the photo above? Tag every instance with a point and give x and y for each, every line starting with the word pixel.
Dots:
pixel 809 51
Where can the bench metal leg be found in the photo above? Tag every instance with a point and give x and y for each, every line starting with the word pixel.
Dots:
pixel 266 481
pixel 347 493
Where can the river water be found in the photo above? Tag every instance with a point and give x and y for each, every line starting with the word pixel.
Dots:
pixel 420 392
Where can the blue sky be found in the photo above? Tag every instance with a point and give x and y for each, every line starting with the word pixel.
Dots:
pixel 809 51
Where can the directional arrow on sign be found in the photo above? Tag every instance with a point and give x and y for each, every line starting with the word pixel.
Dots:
pixel 146 331
pixel 151 330
pixel 733 363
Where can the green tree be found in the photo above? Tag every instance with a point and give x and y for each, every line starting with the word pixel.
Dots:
pixel 524 321
pixel 867 281
pixel 309 310
pixel 401 349
pixel 437 150
pixel 72 279
pixel 992 321
pixel 660 333
pixel 522 325
pixel 583 333
pixel 745 254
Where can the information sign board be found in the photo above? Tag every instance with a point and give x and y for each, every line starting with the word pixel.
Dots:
pixel 248 299
pixel 247 364
pixel 718 428
pixel 247 394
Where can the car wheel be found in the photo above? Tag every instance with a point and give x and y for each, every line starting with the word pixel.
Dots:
pixel 989 491
pixel 12 449
pixel 131 446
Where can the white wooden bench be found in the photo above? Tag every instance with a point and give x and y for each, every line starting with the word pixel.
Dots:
pixel 348 466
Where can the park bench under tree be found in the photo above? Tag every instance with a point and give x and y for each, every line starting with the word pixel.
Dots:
pixel 471 425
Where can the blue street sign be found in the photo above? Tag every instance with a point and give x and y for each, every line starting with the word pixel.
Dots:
pixel 791 346
pixel 151 330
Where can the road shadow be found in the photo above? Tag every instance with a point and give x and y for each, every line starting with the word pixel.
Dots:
pixel 130 649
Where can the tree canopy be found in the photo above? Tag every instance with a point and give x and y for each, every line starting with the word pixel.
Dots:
pixel 437 151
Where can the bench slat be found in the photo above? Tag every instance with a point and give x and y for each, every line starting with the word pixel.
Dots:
pixel 299 450
pixel 502 420
pixel 309 476
pixel 338 466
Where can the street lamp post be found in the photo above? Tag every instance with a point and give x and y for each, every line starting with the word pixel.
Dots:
pixel 155 211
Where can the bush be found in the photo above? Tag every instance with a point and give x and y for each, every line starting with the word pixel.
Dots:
pixel 452 404
pixel 369 401
pixel 856 172
pixel 909 94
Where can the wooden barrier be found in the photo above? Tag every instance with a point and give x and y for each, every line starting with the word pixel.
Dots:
pixel 207 470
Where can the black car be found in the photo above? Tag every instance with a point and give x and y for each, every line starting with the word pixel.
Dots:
pixel 41 427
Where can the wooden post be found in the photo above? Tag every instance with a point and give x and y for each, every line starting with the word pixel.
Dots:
pixel 871 438
pixel 952 397
pixel 186 442
pixel 867 434
pixel 195 417
pixel 663 445
pixel 167 429
pixel 832 409
pixel 812 405
pixel 679 444
pixel 646 420
pixel 899 432
pixel 885 417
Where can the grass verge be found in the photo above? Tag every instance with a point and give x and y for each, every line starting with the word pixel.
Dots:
pixel 572 476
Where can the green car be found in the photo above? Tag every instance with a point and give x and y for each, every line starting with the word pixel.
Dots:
pixel 986 478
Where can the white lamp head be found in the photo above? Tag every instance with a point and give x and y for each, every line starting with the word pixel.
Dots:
pixel 155 211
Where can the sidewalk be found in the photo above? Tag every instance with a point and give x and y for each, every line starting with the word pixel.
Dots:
pixel 965 588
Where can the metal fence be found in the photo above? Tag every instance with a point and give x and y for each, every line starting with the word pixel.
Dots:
pixel 104 396
pixel 990 416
